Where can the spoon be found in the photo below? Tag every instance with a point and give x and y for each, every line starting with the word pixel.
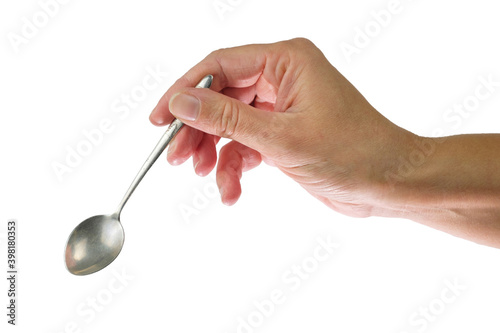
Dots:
pixel 98 240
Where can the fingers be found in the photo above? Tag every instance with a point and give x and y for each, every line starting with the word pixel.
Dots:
pixel 223 116
pixel 190 142
pixel 233 160
pixel 183 145
pixel 245 95
pixel 205 156
pixel 236 67
pixel 250 74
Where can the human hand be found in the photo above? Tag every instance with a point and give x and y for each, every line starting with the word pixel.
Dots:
pixel 283 103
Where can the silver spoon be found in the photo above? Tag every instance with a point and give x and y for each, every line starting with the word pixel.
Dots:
pixel 98 240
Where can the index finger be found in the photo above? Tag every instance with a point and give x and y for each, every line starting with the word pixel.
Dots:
pixel 237 67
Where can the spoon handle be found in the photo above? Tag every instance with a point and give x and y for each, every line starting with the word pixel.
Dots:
pixel 170 133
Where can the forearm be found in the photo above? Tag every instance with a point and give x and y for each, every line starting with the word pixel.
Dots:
pixel 451 184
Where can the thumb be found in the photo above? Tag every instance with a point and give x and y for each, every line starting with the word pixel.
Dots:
pixel 220 115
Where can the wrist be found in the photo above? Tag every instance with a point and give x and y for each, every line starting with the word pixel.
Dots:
pixel 400 166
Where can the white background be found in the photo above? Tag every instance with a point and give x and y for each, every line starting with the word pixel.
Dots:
pixel 203 275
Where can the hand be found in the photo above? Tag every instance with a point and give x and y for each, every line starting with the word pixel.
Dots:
pixel 283 103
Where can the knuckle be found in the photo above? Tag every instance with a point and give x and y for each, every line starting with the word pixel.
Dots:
pixel 302 41
pixel 233 168
pixel 228 121
pixel 302 47
pixel 300 44
pixel 225 150
pixel 218 51
pixel 216 54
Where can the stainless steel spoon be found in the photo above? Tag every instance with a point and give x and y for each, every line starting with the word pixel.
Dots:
pixel 98 240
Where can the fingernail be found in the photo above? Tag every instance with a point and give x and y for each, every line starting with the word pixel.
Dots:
pixel 171 148
pixel 222 191
pixel 170 151
pixel 196 168
pixel 184 106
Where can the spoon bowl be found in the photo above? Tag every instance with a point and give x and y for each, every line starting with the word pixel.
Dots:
pixel 94 244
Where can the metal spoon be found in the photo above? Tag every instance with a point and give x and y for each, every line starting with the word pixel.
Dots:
pixel 98 240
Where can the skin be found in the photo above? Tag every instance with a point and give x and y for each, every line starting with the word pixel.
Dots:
pixel 285 104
